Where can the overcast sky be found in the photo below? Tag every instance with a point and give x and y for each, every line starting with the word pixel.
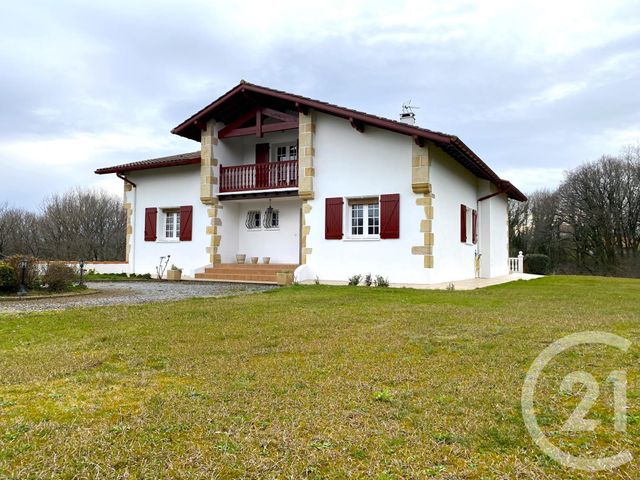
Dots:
pixel 534 88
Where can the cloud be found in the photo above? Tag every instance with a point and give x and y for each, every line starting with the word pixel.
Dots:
pixel 531 86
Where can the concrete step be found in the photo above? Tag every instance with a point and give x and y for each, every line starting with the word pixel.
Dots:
pixel 277 267
pixel 238 277
pixel 247 272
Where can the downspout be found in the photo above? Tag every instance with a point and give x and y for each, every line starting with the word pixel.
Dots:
pixel 126 180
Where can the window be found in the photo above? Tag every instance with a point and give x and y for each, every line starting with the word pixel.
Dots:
pixel 172 224
pixel 253 219
pixel 285 152
pixel 271 218
pixel 468 225
pixel 364 217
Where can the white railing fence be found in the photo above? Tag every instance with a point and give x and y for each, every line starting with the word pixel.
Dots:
pixel 516 264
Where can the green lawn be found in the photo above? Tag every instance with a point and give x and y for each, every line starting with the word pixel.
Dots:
pixel 312 382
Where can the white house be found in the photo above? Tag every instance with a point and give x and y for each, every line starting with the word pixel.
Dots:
pixel 320 189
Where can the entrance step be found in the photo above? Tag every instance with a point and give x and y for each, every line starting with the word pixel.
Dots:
pixel 248 272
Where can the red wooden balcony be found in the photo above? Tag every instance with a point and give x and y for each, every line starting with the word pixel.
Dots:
pixel 259 176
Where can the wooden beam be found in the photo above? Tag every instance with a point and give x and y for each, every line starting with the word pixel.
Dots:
pixel 285 117
pixel 302 108
pixel 357 124
pixel 276 127
pixel 238 132
pixel 237 123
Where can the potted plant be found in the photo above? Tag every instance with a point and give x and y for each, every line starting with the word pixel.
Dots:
pixel 174 273
pixel 254 260
pixel 266 260
pixel 240 258
pixel 284 278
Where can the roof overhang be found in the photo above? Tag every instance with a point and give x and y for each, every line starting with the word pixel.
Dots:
pixel 245 96
pixel 192 158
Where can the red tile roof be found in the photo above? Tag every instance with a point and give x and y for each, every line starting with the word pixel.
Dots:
pixel 171 161
pixel 230 105
pixel 235 102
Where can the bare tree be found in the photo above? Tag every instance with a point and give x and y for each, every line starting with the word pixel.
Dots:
pixel 79 223
pixel 591 223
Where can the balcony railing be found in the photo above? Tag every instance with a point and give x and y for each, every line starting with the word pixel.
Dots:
pixel 259 176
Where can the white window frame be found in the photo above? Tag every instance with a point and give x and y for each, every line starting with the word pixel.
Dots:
pixel 469 218
pixel 367 209
pixel 171 216
pixel 289 146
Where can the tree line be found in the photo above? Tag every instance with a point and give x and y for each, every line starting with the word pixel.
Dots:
pixel 80 223
pixel 590 224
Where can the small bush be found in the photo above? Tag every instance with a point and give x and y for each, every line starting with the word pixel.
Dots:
pixel 8 281
pixel 368 281
pixel 32 272
pixel 355 280
pixel 59 276
pixel 380 281
pixel 536 263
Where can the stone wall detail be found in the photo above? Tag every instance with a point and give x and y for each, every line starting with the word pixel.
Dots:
pixel 208 189
pixel 420 184
pixel 305 228
pixel 306 152
pixel 128 208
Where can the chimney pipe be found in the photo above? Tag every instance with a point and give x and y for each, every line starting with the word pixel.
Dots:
pixel 408 117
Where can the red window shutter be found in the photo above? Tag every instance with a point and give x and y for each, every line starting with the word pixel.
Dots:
pixel 390 216
pixel 333 218
pixel 150 223
pixel 463 224
pixel 474 224
pixel 186 222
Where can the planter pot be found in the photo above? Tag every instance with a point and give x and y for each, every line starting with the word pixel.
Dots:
pixel 240 258
pixel 254 260
pixel 266 260
pixel 284 278
pixel 174 275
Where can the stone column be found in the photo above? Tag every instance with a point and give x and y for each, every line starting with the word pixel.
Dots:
pixel 128 208
pixel 420 184
pixel 306 174
pixel 209 189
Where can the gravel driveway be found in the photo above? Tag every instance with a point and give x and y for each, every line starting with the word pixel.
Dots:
pixel 118 293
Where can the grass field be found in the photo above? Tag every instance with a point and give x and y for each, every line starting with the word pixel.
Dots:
pixel 313 382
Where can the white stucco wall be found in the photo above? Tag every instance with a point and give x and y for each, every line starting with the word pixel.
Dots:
pixel 168 188
pixel 351 164
pixel 452 186
pixel 347 164
pixel 281 244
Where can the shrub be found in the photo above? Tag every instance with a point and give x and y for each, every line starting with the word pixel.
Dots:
pixel 355 280
pixel 536 263
pixel 8 282
pixel 59 276
pixel 32 273
pixel 368 281
pixel 380 281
